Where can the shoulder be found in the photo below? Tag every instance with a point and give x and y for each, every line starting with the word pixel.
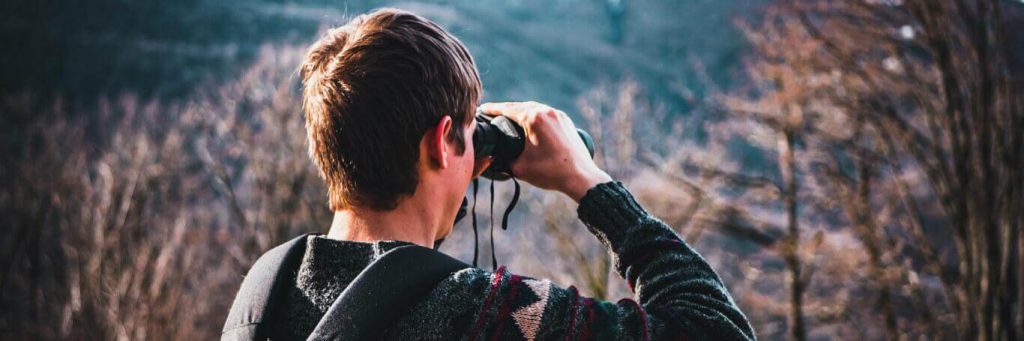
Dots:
pixel 473 302
pixel 447 311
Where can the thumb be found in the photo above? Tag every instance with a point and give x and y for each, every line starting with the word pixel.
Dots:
pixel 481 165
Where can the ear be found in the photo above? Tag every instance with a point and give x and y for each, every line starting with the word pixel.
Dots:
pixel 436 139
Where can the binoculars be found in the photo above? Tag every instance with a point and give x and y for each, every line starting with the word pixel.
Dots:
pixel 503 139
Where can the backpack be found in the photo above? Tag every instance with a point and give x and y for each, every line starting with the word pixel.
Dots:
pixel 382 293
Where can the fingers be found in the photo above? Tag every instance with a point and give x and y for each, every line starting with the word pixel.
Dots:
pixel 497 107
pixel 494 108
pixel 502 108
pixel 517 111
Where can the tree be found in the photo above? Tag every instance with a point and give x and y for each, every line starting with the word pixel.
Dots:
pixel 908 115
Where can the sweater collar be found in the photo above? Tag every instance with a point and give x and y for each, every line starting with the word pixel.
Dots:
pixel 330 264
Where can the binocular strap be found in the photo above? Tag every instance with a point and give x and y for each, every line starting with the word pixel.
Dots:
pixel 504 219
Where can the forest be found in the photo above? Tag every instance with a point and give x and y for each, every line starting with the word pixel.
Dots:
pixel 852 169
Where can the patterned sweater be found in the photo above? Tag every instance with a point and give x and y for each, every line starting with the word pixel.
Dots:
pixel 677 295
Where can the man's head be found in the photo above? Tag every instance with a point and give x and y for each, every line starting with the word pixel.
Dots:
pixel 389 99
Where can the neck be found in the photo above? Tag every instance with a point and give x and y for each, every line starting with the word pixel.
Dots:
pixel 412 221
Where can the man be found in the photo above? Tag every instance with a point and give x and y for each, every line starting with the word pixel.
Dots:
pixel 389 100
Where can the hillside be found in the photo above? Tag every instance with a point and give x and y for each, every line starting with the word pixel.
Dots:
pixel 529 49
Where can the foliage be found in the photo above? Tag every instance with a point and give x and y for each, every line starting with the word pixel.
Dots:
pixel 865 183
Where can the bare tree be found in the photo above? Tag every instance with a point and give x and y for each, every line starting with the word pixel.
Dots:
pixel 924 97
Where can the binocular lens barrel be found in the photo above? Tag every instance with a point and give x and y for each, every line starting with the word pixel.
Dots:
pixel 503 139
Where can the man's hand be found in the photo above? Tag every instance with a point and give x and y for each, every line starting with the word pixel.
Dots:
pixel 480 165
pixel 555 157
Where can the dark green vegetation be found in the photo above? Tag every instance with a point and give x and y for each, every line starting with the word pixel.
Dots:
pixel 545 50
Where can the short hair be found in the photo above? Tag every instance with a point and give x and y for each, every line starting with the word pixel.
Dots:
pixel 371 90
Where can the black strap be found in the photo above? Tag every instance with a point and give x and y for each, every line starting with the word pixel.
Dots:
pixel 476 239
pixel 384 292
pixel 494 258
pixel 504 218
pixel 251 312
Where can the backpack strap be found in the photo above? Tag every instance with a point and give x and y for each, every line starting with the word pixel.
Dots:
pixel 384 292
pixel 251 312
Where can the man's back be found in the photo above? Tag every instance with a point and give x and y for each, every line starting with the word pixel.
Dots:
pixel 390 100
pixel 328 267
pixel 677 294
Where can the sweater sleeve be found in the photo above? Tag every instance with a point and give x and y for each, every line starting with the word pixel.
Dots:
pixel 676 293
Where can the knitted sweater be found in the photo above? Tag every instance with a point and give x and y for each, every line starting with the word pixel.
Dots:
pixel 676 294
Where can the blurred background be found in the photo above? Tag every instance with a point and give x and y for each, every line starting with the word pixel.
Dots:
pixel 852 169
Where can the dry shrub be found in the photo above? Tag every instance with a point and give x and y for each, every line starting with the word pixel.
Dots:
pixel 137 220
